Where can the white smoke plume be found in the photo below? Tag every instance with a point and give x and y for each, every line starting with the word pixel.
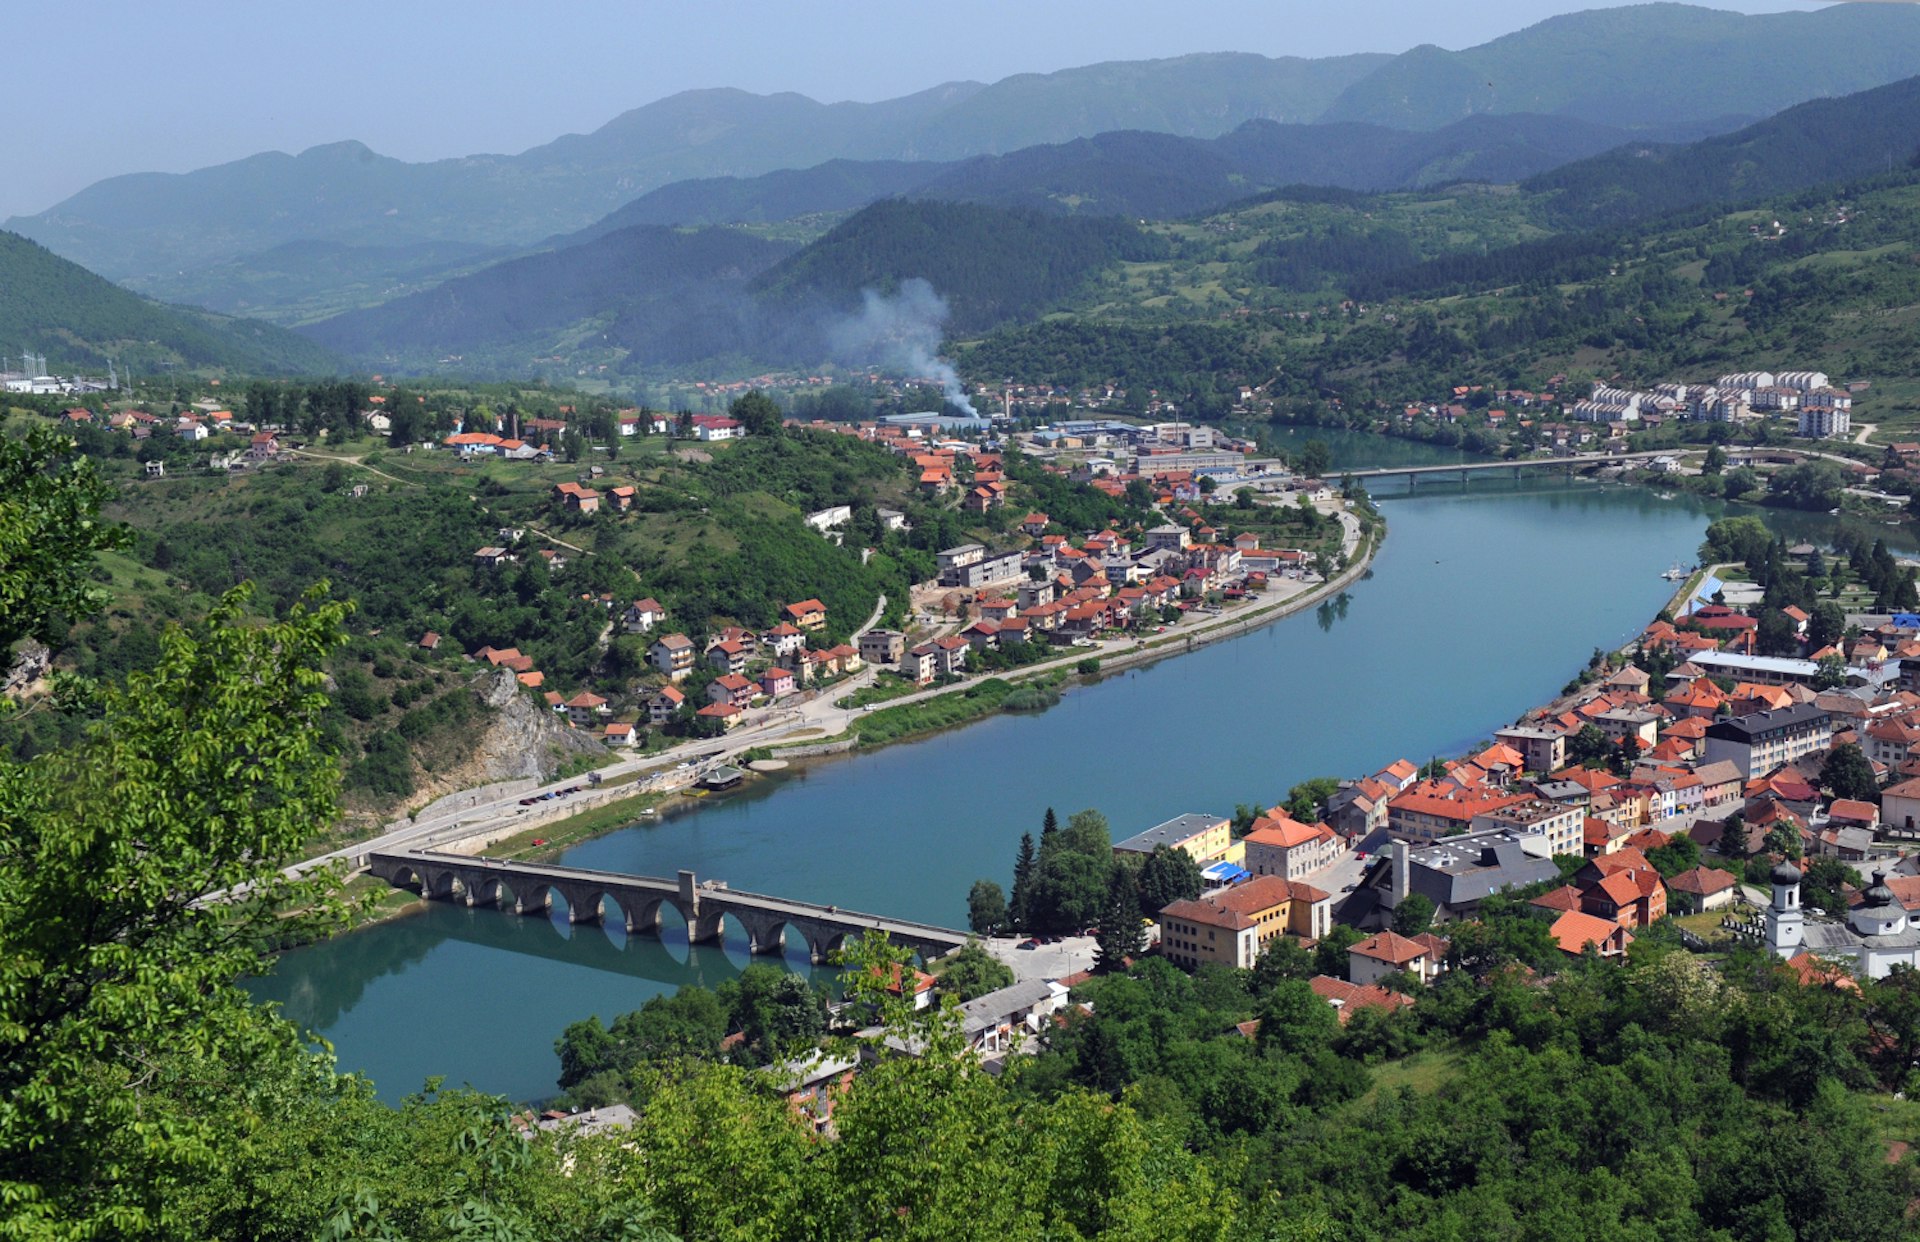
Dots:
pixel 902 333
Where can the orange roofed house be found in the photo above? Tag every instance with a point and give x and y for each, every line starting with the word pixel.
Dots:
pixel 808 614
pixel 1283 846
pixel 1232 927
pixel 1389 953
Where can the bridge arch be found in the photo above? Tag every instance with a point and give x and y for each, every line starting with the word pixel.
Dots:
pixel 443 885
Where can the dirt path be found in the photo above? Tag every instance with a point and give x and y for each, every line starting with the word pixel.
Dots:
pixel 1866 430
pixel 352 461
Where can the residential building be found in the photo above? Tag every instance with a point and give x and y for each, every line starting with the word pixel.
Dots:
pixel 1544 750
pixel 987 570
pixel 808 614
pixel 1575 932
pixel 1562 824
pixel 882 646
pixel 664 703
pixel 1758 743
pixel 1390 953
pixel 1709 887
pixel 727 656
pixel 785 639
pixel 586 707
pixel 731 688
pixel 643 614
pixel 1431 810
pixel 921 665
pixel 1204 837
pixel 673 655
pixel 1232 926
pixel 1281 845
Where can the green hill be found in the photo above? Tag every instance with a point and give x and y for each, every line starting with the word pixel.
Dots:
pixel 79 320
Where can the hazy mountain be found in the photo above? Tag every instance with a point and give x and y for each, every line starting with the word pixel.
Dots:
pixel 1649 64
pixel 151 225
pixel 837 185
pixel 79 320
pixel 1826 140
pixel 300 281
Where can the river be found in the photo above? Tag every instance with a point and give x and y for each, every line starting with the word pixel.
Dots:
pixel 1484 600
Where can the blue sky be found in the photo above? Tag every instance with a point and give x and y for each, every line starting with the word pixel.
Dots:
pixel 98 88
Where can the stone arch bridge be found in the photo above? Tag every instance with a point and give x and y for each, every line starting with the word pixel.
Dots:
pixel 528 888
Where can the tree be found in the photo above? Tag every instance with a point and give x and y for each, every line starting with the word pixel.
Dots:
pixel 1716 460
pixel 757 412
pixel 1848 773
pixel 50 501
pixel 573 445
pixel 1020 909
pixel 974 972
pixel 1166 876
pixel 1283 958
pixel 1313 459
pixel 1777 635
pixel 1413 915
pixel 1589 747
pixel 123 1058
pixel 986 907
pixel 1121 935
pixel 1827 625
pixel 1625 753
pixel 1679 854
pixel 775 1010
pixel 1305 799
pixel 1831 672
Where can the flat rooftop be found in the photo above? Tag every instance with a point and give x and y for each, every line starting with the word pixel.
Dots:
pixel 1176 830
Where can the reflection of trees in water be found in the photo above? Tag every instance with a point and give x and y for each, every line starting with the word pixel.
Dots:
pixel 317 985
pixel 1332 610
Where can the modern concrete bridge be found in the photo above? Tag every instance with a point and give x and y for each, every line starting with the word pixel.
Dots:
pixel 528 888
pixel 1465 469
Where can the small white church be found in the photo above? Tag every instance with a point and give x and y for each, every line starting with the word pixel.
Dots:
pixel 1876 937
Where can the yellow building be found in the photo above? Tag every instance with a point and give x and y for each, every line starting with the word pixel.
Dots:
pixel 1232 927
pixel 1205 838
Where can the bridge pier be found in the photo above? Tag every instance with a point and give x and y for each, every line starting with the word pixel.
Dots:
pixel 646 923
pixel 706 928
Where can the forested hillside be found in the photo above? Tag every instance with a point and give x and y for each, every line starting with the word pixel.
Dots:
pixel 651 298
pixel 79 321
pixel 529 303
pixel 1827 140
pixel 991 266
pixel 1351 300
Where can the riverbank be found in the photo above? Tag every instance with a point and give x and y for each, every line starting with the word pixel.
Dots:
pixel 906 722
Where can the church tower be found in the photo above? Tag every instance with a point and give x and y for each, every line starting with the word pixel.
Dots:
pixel 1785 925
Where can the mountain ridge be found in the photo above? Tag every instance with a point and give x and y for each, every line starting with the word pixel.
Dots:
pixel 1620 58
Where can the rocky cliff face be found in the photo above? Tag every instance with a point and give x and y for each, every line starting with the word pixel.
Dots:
pixel 521 739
